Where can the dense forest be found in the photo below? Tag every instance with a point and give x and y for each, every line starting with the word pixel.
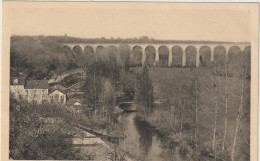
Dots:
pixel 38 56
pixel 142 39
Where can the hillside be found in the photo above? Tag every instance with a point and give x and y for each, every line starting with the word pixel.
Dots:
pixel 174 85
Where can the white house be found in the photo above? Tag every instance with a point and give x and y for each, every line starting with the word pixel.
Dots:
pixel 36 90
pixel 57 94
pixel 17 87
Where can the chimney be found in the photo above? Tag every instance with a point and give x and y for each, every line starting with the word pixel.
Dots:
pixel 15 81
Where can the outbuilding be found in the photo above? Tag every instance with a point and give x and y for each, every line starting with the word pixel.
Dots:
pixel 57 94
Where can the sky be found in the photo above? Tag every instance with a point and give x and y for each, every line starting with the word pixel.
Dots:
pixel 164 21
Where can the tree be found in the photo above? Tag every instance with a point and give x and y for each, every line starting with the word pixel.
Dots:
pixel 226 105
pixel 92 88
pixel 116 155
pixel 31 138
pixel 124 57
pixel 185 102
pixel 145 93
pixel 241 70
pixel 193 104
pixel 108 98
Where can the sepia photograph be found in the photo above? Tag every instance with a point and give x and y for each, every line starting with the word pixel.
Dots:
pixel 129 81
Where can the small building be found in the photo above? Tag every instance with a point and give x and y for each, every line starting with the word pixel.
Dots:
pixel 36 90
pixel 57 94
pixel 17 87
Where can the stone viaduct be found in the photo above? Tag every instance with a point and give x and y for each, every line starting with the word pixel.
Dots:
pixel 195 48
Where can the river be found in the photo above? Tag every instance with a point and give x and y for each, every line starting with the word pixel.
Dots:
pixel 143 141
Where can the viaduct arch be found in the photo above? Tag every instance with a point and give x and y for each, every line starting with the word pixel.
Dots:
pixel 180 54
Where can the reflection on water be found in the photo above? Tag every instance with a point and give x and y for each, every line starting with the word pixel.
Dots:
pixel 142 140
pixel 145 132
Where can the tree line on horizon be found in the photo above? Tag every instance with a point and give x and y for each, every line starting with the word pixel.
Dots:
pixel 142 39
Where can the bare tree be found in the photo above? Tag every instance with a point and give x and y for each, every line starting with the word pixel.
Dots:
pixel 226 106
pixel 196 112
pixel 215 123
pixel 182 115
pixel 241 72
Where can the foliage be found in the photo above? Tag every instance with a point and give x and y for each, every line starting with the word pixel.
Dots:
pixel 124 57
pixel 176 90
pixel 128 86
pixel 144 94
pixel 33 136
pixel 100 81
pixel 116 155
pixel 190 56
pixel 185 105
pixel 37 56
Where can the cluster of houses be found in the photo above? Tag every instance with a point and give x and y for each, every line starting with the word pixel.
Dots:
pixel 37 91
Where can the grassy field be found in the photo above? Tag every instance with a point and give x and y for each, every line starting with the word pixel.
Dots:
pixel 168 84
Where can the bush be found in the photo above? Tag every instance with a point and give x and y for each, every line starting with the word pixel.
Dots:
pixel 32 136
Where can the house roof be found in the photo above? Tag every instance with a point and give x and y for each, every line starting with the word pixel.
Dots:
pixel 36 84
pixel 57 87
pixel 77 103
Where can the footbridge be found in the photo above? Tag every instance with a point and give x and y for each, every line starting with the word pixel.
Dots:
pixel 60 77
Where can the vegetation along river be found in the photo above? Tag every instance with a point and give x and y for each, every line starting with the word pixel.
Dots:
pixel 143 141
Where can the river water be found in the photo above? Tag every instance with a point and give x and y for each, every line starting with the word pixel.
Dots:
pixel 143 141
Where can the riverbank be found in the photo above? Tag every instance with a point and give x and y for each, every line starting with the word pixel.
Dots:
pixel 171 142
pixel 144 141
pixel 100 148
